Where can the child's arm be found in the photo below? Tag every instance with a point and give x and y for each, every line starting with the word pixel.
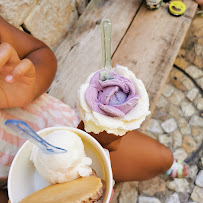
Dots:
pixel 39 66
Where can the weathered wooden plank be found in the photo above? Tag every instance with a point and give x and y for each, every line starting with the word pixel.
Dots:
pixel 151 45
pixel 80 53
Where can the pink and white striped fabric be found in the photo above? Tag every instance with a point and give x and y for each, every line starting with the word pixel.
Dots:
pixel 46 111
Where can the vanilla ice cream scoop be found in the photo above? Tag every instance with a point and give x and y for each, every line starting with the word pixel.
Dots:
pixel 59 168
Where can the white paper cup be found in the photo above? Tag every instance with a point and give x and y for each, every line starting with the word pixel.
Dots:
pixel 24 180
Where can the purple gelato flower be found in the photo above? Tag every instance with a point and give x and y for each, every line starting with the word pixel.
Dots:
pixel 115 97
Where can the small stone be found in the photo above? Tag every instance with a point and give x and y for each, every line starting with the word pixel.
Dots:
pixel 191 95
pixel 175 75
pixel 177 139
pixel 175 111
pixel 180 154
pixel 168 90
pixel 198 49
pixel 176 97
pixel 186 130
pixel 183 197
pixel 194 72
pixel 178 185
pixel 181 63
pixel 182 52
pixel 200 82
pixel 166 140
pixel 198 33
pixel 179 85
pixel 197 23
pixel 196 131
pixel 187 83
pixel 152 186
pixel 174 198
pixel 143 199
pixel 175 80
pixel 154 126
pixel 161 114
pixel 199 103
pixel 187 109
pixel 196 121
pixel 197 194
pixel 162 103
pixel 128 193
pixel 197 100
pixel 200 41
pixel 189 145
pixel 197 134
pixel 177 61
pixel 198 61
pixel 193 172
pixel 169 125
pixel 182 122
pixel 190 55
pixel 199 179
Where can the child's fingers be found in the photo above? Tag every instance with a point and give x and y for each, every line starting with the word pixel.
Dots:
pixel 24 68
pixel 7 54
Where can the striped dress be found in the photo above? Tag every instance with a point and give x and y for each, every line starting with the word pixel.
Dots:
pixel 46 111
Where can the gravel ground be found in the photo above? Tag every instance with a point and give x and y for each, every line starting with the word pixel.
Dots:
pixel 177 123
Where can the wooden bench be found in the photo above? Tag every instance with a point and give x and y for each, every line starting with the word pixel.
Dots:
pixel 145 41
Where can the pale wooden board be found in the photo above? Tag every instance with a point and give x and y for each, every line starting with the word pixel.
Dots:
pixel 151 45
pixel 80 53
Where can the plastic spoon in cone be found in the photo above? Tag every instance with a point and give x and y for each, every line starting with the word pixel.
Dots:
pixel 106 73
pixel 24 130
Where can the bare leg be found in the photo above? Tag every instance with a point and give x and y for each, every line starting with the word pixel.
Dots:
pixel 139 157
pixel 135 156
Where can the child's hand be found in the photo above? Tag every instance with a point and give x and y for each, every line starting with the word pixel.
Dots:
pixel 17 78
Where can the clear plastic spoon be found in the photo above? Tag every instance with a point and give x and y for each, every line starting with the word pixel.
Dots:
pixel 105 27
pixel 24 130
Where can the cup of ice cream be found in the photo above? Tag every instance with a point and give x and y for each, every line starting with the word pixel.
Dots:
pixel 32 170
